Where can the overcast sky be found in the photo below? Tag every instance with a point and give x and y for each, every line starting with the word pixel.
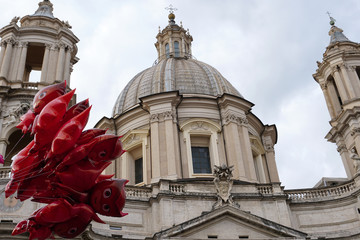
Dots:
pixel 266 49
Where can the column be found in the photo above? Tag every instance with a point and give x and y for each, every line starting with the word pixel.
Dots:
pixel 246 149
pixel 233 147
pixel 67 65
pixel 45 63
pixel 160 50
pixel 347 161
pixel 270 159
pixel 170 144
pixel 3 145
pixel 2 51
pixel 21 67
pixel 155 150
pixel 60 63
pixel 7 58
pixel 327 100
pixel 340 84
pixel 15 61
pixel 347 81
pixel 171 45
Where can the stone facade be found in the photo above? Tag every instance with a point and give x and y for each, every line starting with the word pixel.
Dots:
pixel 167 111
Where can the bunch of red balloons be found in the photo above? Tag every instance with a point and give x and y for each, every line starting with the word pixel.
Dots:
pixel 62 168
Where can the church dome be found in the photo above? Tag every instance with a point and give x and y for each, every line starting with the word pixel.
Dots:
pixel 176 70
pixel 188 76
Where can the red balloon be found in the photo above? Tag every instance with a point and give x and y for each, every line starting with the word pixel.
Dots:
pixel 53 112
pixel 69 133
pixel 26 121
pixel 108 147
pixel 88 135
pixel 75 110
pixel 108 197
pixel 82 175
pixel 47 94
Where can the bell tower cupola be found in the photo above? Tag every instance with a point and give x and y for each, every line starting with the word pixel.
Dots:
pixel 173 41
pixel 40 43
pixel 339 78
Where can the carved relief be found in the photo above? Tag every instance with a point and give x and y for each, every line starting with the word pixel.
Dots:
pixel 223 184
pixel 131 139
pixel 13 115
pixel 199 126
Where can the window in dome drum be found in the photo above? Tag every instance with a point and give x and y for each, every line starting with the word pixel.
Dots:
pixel 138 170
pixel 177 50
pixel 201 159
pixel 167 50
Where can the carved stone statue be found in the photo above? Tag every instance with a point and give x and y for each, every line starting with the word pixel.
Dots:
pixel 356 160
pixel 223 185
pixel 14 20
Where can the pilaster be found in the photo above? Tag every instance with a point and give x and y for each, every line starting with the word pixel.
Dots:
pixel 21 68
pixel 7 59
pixel 60 63
pixel 45 64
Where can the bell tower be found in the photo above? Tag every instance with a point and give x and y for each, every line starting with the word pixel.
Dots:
pixel 36 51
pixel 339 78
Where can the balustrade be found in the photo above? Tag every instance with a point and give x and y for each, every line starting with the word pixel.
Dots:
pixel 322 193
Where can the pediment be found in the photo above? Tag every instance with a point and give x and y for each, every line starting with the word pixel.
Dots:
pixel 228 222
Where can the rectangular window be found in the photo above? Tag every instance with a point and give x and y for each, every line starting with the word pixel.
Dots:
pixel 201 159
pixel 177 49
pixel 138 170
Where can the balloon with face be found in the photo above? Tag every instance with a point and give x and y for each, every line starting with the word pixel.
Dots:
pixel 47 94
pixel 108 197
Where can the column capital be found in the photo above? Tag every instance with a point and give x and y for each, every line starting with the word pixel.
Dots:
pixel 24 44
pixel 342 148
pixel 61 45
pixel 10 41
pixel 323 86
pixel 154 117
pixel 233 118
pixel 334 70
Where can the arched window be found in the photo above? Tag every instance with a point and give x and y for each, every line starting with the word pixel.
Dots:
pixel 200 136
pixel 167 50
pixel 134 161
pixel 177 49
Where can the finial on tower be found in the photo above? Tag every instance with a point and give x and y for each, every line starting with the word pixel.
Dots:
pixel 171 16
pixel 332 20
